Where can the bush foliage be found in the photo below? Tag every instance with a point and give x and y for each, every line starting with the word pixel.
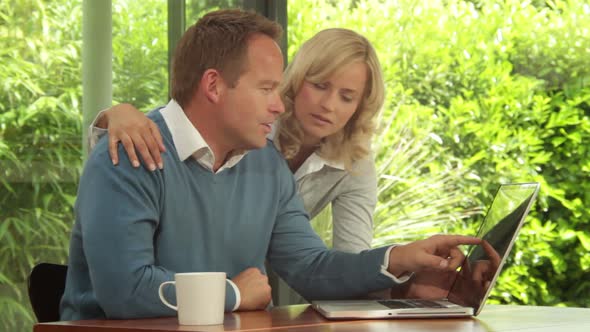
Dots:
pixel 478 93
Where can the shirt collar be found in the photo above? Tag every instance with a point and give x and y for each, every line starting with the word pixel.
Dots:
pixel 312 164
pixel 189 142
pixel 315 163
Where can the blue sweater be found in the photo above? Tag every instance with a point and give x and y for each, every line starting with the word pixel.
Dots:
pixel 135 228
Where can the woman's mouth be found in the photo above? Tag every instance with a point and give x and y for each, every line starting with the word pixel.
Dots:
pixel 321 119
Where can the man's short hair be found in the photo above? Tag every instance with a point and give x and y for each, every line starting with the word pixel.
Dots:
pixel 219 40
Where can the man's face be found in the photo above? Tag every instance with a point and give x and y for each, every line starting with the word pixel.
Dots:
pixel 254 103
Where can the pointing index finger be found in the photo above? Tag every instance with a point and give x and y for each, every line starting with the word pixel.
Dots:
pixel 455 240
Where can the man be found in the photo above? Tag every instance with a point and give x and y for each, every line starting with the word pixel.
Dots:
pixel 226 200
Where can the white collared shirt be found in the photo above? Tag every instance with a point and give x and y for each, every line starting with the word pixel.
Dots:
pixel 187 139
pixel 189 142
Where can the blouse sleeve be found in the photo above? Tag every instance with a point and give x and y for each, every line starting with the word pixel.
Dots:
pixel 353 208
pixel 94 132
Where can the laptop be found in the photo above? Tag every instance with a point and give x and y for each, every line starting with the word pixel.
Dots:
pixel 471 286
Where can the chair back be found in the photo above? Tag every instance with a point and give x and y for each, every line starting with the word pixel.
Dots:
pixel 46 286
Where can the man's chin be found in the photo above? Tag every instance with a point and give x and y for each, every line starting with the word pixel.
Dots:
pixel 260 146
pixel 253 145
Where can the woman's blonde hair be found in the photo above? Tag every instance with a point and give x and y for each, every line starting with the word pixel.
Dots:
pixel 325 54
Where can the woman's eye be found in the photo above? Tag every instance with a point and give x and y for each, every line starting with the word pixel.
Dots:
pixel 321 86
pixel 346 99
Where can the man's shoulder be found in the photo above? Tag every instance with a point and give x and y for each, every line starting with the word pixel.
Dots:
pixel 156 116
pixel 99 154
pixel 269 151
pixel 99 163
pixel 266 159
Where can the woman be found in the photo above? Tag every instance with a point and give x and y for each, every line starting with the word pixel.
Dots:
pixel 332 91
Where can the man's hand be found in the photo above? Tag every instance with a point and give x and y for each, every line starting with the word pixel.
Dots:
pixel 254 289
pixel 430 285
pixel 472 281
pixel 436 253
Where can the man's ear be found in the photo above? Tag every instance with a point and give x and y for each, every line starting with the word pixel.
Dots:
pixel 213 85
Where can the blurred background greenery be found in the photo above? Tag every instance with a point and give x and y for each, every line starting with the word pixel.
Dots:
pixel 478 93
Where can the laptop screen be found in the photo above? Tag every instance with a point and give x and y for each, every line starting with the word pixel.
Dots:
pixel 498 230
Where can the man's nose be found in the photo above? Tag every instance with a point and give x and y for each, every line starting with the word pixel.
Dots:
pixel 276 105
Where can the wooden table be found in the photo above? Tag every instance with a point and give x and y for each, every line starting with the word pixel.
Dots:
pixel 304 318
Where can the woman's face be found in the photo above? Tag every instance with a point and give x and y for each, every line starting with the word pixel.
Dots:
pixel 324 108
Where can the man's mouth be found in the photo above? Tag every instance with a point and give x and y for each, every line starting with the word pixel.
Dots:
pixel 268 126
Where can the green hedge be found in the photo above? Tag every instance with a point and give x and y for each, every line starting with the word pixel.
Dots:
pixel 478 93
pixel 40 128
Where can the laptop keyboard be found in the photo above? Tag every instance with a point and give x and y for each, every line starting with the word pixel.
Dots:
pixel 401 304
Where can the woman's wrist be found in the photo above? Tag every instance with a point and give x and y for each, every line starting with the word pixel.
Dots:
pixel 102 120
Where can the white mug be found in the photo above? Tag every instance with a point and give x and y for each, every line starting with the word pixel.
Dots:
pixel 200 297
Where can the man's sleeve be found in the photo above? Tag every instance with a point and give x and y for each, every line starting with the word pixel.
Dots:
pixel 118 210
pixel 300 257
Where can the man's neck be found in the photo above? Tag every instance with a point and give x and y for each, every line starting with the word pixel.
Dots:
pixel 208 131
pixel 218 162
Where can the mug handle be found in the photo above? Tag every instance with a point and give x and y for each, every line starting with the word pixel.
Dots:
pixel 161 293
